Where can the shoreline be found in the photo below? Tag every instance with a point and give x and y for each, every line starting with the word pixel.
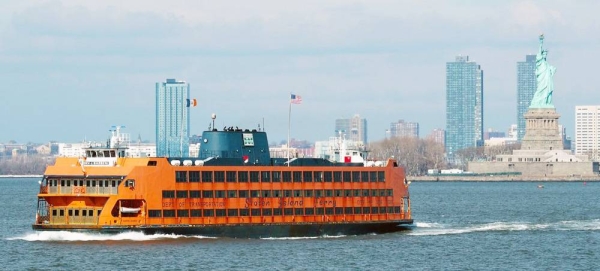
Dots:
pixel 507 178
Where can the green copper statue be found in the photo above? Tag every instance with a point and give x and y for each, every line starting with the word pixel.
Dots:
pixel 544 73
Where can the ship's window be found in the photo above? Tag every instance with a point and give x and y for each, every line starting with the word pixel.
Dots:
pixel 374 193
pixel 366 210
pixel 337 176
pixel 180 176
pixel 208 212
pixel 308 176
pixel 68 182
pixel 329 193
pixel 328 211
pixel 318 193
pixel 220 212
pixel 356 176
pixel 207 176
pixel 347 176
pixel 328 176
pixel 318 176
pixel 288 211
pixel 195 213
pixel 194 176
pixel 287 193
pixel 231 176
pixel 195 194
pixel 254 176
pixel 375 210
pixel 356 192
pixel 62 212
pixel 151 163
pixel 339 192
pixel 244 212
pixel 219 194
pixel 70 212
pixel 382 192
pixel 381 176
pixel 347 192
pixel 255 212
pixel 98 212
pixel 298 211
pixel 76 212
pixel 348 210
pixel 287 176
pixel 365 192
pixel 266 193
pixel 364 176
pixel 297 176
pixel 297 193
pixel 373 175
pixel 243 193
pixel 219 176
pixel 397 210
pixel 320 211
pixel 309 211
pixel 308 193
pixel 183 213
pixel 54 212
pixel 207 194
pixel 276 176
pixel 243 176
pixel 101 183
pixel 154 213
pixel 232 193
pixel 87 183
pixel 267 212
pixel 62 182
pixel 93 183
pixel 168 194
pixel 277 193
pixel 182 194
pixel 106 154
pixel 382 210
pixel 265 176
pixel 232 212
pixel 113 184
pixel 390 210
pixel 277 211
pixel 80 182
pixel 255 193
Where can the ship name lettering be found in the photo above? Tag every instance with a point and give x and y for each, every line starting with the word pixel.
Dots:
pixel 257 203
pixel 290 203
pixel 325 202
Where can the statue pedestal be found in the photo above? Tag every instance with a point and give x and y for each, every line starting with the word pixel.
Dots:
pixel 541 130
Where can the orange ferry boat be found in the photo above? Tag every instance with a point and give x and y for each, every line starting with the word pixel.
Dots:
pixel 232 189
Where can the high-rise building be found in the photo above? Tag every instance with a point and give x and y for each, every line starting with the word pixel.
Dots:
pixel 404 129
pixel 172 118
pixel 464 105
pixel 526 87
pixel 587 131
pixel 437 135
pixel 354 128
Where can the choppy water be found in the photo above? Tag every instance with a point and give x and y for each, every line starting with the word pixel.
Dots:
pixel 460 226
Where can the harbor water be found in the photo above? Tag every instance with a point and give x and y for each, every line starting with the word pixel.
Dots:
pixel 459 226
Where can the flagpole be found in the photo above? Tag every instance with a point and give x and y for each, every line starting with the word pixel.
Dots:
pixel 289 128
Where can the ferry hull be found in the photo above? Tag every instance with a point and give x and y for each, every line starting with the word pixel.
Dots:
pixel 257 231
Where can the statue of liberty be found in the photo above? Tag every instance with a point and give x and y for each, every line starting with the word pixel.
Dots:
pixel 544 73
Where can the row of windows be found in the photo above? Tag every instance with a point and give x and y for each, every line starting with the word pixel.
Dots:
pixel 184 194
pixel 279 176
pixel 274 212
pixel 76 212
pixel 86 183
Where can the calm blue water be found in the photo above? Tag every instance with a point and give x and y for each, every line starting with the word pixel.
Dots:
pixel 460 226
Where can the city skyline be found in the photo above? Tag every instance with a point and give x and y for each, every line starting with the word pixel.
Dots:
pixel 71 69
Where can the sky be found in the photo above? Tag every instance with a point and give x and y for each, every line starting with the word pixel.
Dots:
pixel 72 69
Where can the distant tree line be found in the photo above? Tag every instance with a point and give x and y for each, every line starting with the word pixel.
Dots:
pixel 25 165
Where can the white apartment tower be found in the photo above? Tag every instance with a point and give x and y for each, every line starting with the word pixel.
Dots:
pixel 587 131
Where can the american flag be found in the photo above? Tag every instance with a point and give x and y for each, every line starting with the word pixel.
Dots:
pixel 296 99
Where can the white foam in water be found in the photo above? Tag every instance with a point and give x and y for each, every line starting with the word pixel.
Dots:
pixel 67 236
pixel 302 238
pixel 430 229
